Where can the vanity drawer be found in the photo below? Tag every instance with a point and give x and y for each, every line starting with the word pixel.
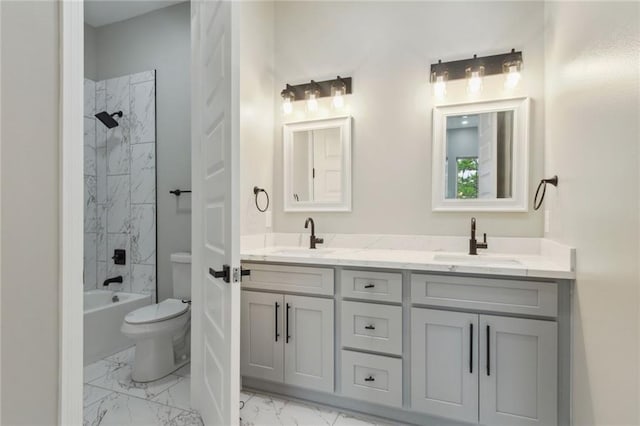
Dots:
pixel 372 327
pixel 372 378
pixel 487 294
pixel 368 285
pixel 295 279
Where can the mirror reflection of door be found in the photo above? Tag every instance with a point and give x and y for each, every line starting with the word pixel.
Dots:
pixel 317 165
pixel 481 149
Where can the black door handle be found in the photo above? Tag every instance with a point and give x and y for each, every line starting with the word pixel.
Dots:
pixel 370 327
pixel 225 274
pixel 369 379
pixel 287 325
pixel 277 335
pixel 369 286
pixel 471 348
pixel 488 351
pixel 245 272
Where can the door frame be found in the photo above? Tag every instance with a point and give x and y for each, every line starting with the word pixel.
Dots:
pixel 71 242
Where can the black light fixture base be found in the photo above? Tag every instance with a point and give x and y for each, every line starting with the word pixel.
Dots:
pixel 323 87
pixel 492 65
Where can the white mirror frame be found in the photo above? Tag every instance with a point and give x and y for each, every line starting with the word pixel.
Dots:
pixel 344 123
pixel 520 198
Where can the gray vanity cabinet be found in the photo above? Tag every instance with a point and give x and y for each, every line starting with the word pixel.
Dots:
pixel 518 371
pixel 444 368
pixel 489 369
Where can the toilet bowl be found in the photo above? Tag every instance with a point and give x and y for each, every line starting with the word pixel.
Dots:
pixel 162 331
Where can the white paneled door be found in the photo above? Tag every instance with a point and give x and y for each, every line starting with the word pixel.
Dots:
pixel 215 213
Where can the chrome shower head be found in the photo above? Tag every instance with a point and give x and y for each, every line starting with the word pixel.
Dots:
pixel 107 119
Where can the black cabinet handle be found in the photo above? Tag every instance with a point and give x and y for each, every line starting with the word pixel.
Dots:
pixel 277 335
pixel 370 327
pixel 471 348
pixel 287 324
pixel 369 379
pixel 369 286
pixel 488 351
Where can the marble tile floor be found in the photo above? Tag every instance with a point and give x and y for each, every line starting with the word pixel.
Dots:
pixel 112 398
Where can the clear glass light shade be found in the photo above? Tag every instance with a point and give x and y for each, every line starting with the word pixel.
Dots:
pixel 287 106
pixel 312 100
pixel 474 79
pixel 337 92
pixel 512 74
pixel 439 82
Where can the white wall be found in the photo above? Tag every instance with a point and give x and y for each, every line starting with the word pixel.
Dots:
pixel 592 141
pixel 256 111
pixel 160 40
pixel 387 47
pixel 30 212
pixel 90 53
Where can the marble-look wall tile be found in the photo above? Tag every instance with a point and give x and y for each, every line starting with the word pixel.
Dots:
pixel 143 234
pixel 101 232
pixel 143 173
pixel 89 146
pixel 90 206
pixel 102 273
pixel 101 173
pixel 118 205
pixel 143 112
pixel 119 241
pixel 89 97
pixel 118 151
pixel 143 76
pixel 118 95
pixel 101 129
pixel 90 261
pixel 143 280
pixel 101 85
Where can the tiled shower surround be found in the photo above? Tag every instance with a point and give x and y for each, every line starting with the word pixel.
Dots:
pixel 120 183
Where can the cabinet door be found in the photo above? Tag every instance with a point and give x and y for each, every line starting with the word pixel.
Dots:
pixel 308 353
pixel 262 338
pixel 444 364
pixel 518 366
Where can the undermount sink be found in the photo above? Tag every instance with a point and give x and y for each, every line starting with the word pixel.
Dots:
pixel 300 251
pixel 476 260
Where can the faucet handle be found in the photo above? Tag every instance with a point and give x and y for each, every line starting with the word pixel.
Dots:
pixel 319 240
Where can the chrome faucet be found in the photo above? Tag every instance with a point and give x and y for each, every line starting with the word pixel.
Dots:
pixel 474 245
pixel 313 240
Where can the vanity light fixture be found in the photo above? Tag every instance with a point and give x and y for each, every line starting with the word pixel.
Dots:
pixel 439 77
pixel 338 89
pixel 474 70
pixel 314 90
pixel 311 95
pixel 288 96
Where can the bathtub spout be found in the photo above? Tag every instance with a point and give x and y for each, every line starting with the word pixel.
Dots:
pixel 108 281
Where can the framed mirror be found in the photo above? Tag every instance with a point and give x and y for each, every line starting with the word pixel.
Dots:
pixel 481 156
pixel 317 165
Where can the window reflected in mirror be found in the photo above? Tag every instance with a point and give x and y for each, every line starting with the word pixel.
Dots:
pixel 479 156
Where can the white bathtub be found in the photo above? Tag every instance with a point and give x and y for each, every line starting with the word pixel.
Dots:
pixel 102 321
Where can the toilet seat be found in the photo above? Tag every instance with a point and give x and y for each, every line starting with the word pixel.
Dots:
pixel 163 311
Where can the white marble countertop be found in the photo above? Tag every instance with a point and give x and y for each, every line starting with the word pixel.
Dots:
pixel 520 257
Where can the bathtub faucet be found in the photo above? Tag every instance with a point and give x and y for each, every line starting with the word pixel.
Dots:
pixel 108 281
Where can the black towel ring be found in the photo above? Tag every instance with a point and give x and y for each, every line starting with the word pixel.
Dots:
pixel 257 191
pixel 543 185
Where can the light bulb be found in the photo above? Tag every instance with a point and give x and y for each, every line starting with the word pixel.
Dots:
pixel 513 77
pixel 338 99
pixel 312 101
pixel 440 87
pixel 287 106
pixel 475 82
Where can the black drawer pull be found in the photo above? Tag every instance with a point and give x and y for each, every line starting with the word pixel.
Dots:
pixel 277 335
pixel 471 348
pixel 370 327
pixel 287 337
pixel 369 286
pixel 369 379
pixel 488 350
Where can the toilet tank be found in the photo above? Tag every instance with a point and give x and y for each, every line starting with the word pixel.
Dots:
pixel 181 265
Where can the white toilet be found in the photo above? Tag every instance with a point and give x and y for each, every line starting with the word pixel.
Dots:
pixel 162 331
